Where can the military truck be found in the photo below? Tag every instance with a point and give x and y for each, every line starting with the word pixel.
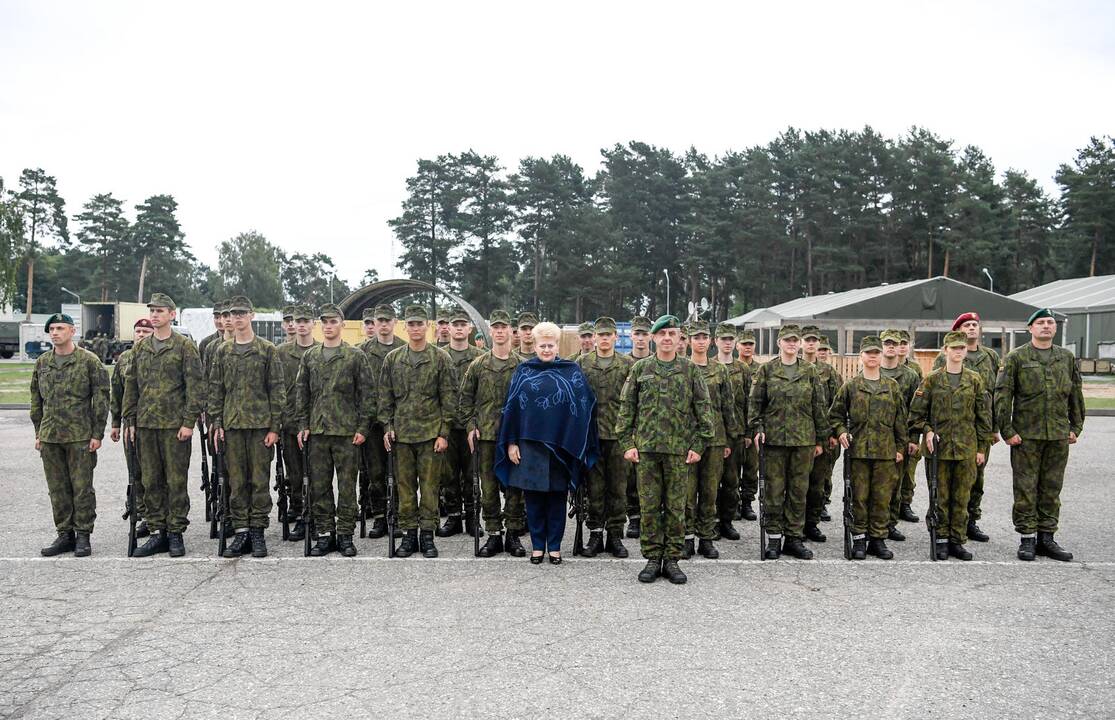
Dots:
pixel 9 339
pixel 107 328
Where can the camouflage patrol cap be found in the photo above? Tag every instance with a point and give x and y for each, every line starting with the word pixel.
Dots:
pixel 218 306
pixel 458 314
pixel 57 318
pixel 664 322
pixel 225 304
pixel 698 327
pixel 640 322
pixel 955 339
pixel 824 344
pixel 499 317
pixel 746 336
pixel 240 303
pixel 586 328
pixel 789 331
pixel 302 312
pixel 526 319
pixel 384 312
pixel 288 312
pixel 891 334
pixel 810 331
pixel 905 335
pixel 442 315
pixel 604 324
pixel 724 330
pixel 871 343
pixel 368 315
pixel 415 313
pixel 161 300
pixel 330 310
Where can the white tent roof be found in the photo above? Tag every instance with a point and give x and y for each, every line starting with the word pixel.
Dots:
pixel 1075 294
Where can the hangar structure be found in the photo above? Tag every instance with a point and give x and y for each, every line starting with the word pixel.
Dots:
pixel 390 291
pixel 1088 304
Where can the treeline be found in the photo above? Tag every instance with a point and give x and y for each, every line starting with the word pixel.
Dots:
pixel 100 253
pixel 807 213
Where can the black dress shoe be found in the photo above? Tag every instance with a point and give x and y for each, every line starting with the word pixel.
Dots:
pixel 650 571
pixel 451 526
pixel 633 528
pixel 974 533
pixel 812 532
pixel 156 543
pixel 514 546
pixel 615 546
pixel 1048 547
pixel 907 514
pixel 555 559
pixel 747 513
pixel 82 548
pixel 493 546
pixel 62 544
pixel 728 531
pixel 673 573
pixel 537 559
pixel 895 534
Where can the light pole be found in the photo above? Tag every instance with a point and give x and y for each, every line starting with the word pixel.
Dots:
pixel 667 274
pixel 66 290
pixel 990 279
pixel 331 279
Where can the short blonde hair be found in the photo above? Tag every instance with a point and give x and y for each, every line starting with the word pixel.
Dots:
pixel 546 330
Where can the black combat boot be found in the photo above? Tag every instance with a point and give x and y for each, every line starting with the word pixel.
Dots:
pixel 259 545
pixel 514 546
pixel 378 528
pixel 236 548
pixel 859 548
pixel 812 532
pixel 895 534
pixel 409 545
pixel 156 543
pixel 942 549
pixel 615 546
pixel 728 531
pixel 774 549
pixel 1027 548
pixel 451 526
pixel 345 546
pixel 878 548
pixel 794 547
pixel 673 573
pixel 82 548
pixel 426 544
pixel 974 533
pixel 688 551
pixel 492 546
pixel 298 532
pixel 707 550
pixel 595 544
pixel 633 527
pixel 907 513
pixel 323 546
pixel 1046 546
pixel 650 571
pixel 176 545
pixel 959 551
pixel 473 529
pixel 825 517
pixel 747 513
pixel 62 544
pixel 141 529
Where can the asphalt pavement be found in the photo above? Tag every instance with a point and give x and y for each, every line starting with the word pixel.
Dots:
pixel 458 637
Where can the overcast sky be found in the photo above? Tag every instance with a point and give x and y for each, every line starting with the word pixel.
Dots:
pixel 303 120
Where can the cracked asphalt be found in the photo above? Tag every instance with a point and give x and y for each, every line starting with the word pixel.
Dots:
pixel 108 637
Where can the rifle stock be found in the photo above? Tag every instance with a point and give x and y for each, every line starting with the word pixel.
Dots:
pixel 392 503
pixel 307 500
pixel 220 510
pixel 476 502
pixel 283 499
pixel 762 503
pixel 363 488
pixel 130 512
pixel 205 470
pixel 931 519
pixel 849 517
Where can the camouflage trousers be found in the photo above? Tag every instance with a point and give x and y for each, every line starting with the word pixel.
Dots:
pixel 1039 472
pixel 908 482
pixel 375 460
pixel 727 497
pixel 749 484
pixel 164 464
pixel 663 483
pixel 976 498
pixel 954 485
pixel 513 515
pixel 69 482
pixel 700 497
pixel 786 487
pixel 457 484
pixel 820 484
pixel 248 464
pixel 418 471
pixel 292 464
pixel 873 483
pixel 607 487
pixel 331 454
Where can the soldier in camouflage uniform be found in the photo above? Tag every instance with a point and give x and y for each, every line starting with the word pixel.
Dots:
pixel 141 329
pixel 441 330
pixel 728 497
pixel 226 335
pixel 704 487
pixel 683 345
pixel 789 416
pixel 289 355
pixel 483 393
pixel 418 396
pixel 664 424
pixel 526 322
pixel 749 459
pixel 908 381
pixel 247 395
pixel 640 348
pixel 289 331
pixel 820 476
pixel 606 371
pixel 906 352
pixel 218 332
pixel 1040 408
pixel 950 410
pixel 586 335
pixel 336 404
pixel 868 415
pixel 163 397
pixel 457 484
pixel 824 352
pixel 383 341
pixel 985 361
pixel 69 404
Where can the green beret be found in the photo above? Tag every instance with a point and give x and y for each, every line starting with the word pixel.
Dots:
pixel 384 312
pixel 789 331
pixel 699 327
pixel 640 322
pixel 810 331
pixel 458 314
pixel 303 312
pixel 891 334
pixel 869 343
pixel 240 303
pixel 724 330
pixel 161 300
pixel 955 339
pixel 746 336
pixel 330 310
pixel 665 321
pixel 499 317
pixel 288 312
pixel 604 324
pixel 526 319
pixel 57 318
pixel 824 344
pixel 415 313
pixel 1040 313
pixel 585 328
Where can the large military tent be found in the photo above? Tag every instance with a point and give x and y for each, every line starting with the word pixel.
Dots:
pixel 1088 305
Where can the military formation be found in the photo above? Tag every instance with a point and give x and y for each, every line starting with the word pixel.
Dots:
pixel 694 434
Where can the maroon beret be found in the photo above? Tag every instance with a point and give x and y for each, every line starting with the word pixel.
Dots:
pixel 963 318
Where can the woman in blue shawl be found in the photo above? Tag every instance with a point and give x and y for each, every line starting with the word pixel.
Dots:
pixel 547 438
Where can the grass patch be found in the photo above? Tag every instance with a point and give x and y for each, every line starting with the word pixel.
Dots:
pixel 15 383
pixel 1099 403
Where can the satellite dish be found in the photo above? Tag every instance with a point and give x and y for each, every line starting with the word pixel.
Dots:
pixel 692 309
pixel 704 304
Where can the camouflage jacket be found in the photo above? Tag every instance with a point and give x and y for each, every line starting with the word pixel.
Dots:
pixel 606 384
pixel 908 381
pixel 289 355
pixel 985 362
pixel 915 366
pixel 740 373
pixel 336 396
pixel 116 395
pixel 207 341
pixel 210 350
pixel 247 390
pixel 376 351
pixel 721 389
pixel 829 379
pixel 874 414
pixel 1039 399
pixel 791 413
pixel 461 360
pixel 418 394
pixel 665 408
pixel 165 388
pixel 961 416
pixel 484 391
pixel 69 401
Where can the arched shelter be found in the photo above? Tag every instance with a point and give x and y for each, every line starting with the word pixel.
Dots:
pixel 389 291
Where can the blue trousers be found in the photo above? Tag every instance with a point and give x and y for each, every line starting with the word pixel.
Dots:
pixel 545 519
